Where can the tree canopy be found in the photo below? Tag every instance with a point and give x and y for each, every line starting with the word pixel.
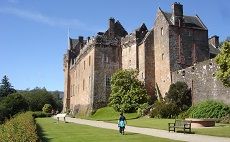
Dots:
pixel 5 87
pixel 223 61
pixel 180 94
pixel 127 91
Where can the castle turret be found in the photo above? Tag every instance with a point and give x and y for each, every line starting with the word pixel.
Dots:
pixel 177 14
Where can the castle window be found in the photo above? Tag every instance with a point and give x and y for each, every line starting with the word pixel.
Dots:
pixel 84 64
pixel 73 90
pixel 129 62
pixel 162 31
pixel 89 60
pixel 89 81
pixel 105 58
pixel 142 75
pixel 83 85
pixel 107 81
pixel 162 56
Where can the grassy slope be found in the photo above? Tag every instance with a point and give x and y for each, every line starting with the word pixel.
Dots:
pixel 70 132
pixel 108 114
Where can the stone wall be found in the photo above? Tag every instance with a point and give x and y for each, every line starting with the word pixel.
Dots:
pixel 129 52
pixel 161 49
pixel 203 83
pixel 81 83
pixel 106 63
pixel 187 46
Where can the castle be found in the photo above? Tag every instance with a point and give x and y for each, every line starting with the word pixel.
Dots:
pixel 176 42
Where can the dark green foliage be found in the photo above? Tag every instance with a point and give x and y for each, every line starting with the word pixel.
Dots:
pixel 223 61
pixel 127 91
pixel 21 128
pixel 47 108
pixel 11 105
pixel 40 114
pixel 209 109
pixel 143 109
pixel 180 94
pixel 163 109
pixel 58 105
pixel 5 87
pixel 37 98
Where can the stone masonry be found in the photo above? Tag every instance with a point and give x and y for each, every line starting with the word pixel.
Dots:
pixel 174 44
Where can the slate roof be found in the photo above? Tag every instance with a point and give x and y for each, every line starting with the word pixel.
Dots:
pixel 213 49
pixel 189 21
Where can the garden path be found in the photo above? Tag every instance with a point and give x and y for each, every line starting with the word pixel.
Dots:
pixel 150 131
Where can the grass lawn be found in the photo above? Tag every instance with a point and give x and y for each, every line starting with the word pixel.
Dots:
pixel 108 114
pixel 70 132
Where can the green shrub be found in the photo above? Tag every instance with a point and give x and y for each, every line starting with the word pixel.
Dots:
pixel 225 119
pixel 163 109
pixel 21 128
pixel 143 109
pixel 40 114
pixel 47 108
pixel 209 109
pixel 11 105
pixel 180 94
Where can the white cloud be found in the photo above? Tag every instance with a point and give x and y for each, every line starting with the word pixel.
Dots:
pixel 41 18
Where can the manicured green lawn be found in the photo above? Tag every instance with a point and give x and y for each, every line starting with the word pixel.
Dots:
pixel 222 130
pixel 70 132
pixel 110 115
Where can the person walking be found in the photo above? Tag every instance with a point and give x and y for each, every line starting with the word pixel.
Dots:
pixel 121 123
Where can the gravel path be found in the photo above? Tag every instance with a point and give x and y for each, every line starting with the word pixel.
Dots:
pixel 150 132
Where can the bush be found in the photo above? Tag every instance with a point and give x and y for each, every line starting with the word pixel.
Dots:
pixel 11 105
pixel 209 109
pixel 162 109
pixel 180 94
pixel 21 128
pixel 47 108
pixel 143 109
pixel 40 114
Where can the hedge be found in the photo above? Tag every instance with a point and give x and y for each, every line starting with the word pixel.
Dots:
pixel 21 128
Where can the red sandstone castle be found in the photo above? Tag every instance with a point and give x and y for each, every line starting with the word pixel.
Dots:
pixel 162 54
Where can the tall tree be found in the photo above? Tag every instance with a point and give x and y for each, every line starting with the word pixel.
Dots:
pixel 5 87
pixel 127 91
pixel 223 61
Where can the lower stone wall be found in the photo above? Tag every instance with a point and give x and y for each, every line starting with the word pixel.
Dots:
pixel 203 83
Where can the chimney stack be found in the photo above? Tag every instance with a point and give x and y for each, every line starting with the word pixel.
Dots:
pixel 111 26
pixel 177 14
pixel 214 40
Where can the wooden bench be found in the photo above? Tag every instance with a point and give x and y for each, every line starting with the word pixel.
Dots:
pixel 183 124
pixel 61 115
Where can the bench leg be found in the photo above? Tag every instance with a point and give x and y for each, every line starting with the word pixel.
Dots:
pixel 58 119
pixel 64 120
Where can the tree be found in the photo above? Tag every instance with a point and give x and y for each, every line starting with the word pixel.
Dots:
pixel 223 61
pixel 47 108
pixel 5 87
pixel 128 93
pixel 37 98
pixel 180 94
pixel 11 105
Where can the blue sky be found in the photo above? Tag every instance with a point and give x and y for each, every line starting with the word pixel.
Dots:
pixel 33 33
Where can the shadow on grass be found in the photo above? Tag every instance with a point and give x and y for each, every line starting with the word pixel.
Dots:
pixel 186 132
pixel 131 133
pixel 42 135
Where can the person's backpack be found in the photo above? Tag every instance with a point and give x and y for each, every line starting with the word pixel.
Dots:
pixel 121 123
